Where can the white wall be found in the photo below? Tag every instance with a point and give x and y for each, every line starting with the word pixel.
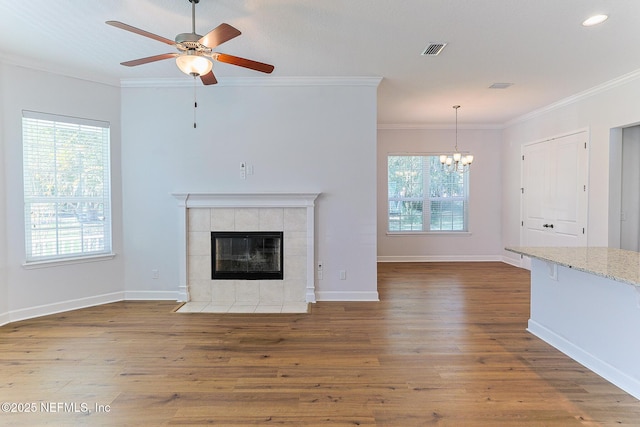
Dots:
pixel 601 110
pixel 484 240
pixel 4 286
pixel 297 138
pixel 32 292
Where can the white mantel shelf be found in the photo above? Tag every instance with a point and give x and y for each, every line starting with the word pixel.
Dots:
pixel 246 200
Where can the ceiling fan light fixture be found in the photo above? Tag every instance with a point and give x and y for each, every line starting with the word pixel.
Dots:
pixel 193 64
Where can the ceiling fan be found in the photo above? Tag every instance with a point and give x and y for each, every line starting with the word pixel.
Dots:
pixel 195 50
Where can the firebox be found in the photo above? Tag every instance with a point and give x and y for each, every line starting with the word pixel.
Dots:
pixel 247 255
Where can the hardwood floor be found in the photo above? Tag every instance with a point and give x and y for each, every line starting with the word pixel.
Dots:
pixel 446 345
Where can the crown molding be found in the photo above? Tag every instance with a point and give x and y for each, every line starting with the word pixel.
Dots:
pixel 18 61
pixel 580 96
pixel 256 81
pixel 175 82
pixel 573 99
pixel 80 74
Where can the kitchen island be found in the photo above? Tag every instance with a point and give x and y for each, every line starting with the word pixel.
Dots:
pixel 585 301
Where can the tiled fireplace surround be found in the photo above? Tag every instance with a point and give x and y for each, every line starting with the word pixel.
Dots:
pixel 202 213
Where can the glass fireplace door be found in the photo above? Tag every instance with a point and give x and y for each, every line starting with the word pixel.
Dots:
pixel 247 255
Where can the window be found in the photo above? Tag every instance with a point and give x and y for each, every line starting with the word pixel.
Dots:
pixel 67 202
pixel 425 197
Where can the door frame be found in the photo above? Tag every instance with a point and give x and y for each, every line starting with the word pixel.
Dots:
pixel 526 262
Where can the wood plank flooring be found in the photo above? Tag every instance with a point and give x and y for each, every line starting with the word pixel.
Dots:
pixel 445 346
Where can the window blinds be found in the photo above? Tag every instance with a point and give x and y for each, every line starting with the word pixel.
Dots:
pixel 67 201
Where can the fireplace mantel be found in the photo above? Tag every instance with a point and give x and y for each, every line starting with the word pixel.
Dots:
pixel 190 200
pixel 246 200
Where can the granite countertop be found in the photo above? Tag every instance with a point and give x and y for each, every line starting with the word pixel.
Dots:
pixel 616 264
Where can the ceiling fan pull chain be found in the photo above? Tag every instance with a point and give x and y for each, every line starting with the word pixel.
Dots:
pixel 195 102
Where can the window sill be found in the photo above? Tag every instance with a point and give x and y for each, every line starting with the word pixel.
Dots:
pixel 428 233
pixel 67 261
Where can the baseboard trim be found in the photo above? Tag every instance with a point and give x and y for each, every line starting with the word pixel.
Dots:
pixel 441 258
pixel 47 309
pixel 62 306
pixel 76 304
pixel 513 262
pixel 591 362
pixel 347 296
pixel 4 319
pixel 151 295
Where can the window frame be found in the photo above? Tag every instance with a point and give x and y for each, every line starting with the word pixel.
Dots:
pixel 102 224
pixel 427 199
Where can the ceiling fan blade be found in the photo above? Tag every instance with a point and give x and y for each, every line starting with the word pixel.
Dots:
pixel 148 59
pixel 242 62
pixel 209 79
pixel 222 33
pixel 127 27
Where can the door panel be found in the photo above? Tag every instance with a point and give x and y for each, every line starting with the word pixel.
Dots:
pixel 571 181
pixel 534 170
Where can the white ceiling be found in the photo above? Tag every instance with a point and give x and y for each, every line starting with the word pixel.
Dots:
pixel 538 45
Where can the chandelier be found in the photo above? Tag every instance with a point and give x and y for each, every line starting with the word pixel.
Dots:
pixel 457 162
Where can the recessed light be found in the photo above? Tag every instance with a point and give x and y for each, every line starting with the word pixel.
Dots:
pixel 594 20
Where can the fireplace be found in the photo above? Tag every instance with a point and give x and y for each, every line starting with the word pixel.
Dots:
pixel 247 255
pixel 291 214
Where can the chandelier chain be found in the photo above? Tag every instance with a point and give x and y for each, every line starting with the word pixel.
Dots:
pixel 456 108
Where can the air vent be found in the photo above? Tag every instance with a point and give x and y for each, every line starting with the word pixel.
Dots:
pixel 433 49
pixel 500 85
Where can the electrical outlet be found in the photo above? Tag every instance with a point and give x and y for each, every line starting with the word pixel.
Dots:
pixel 343 274
pixel 155 274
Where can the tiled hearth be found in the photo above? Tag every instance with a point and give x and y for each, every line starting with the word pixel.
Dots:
pixel 293 214
pixel 242 307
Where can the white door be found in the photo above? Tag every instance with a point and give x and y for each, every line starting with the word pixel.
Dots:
pixel 554 194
